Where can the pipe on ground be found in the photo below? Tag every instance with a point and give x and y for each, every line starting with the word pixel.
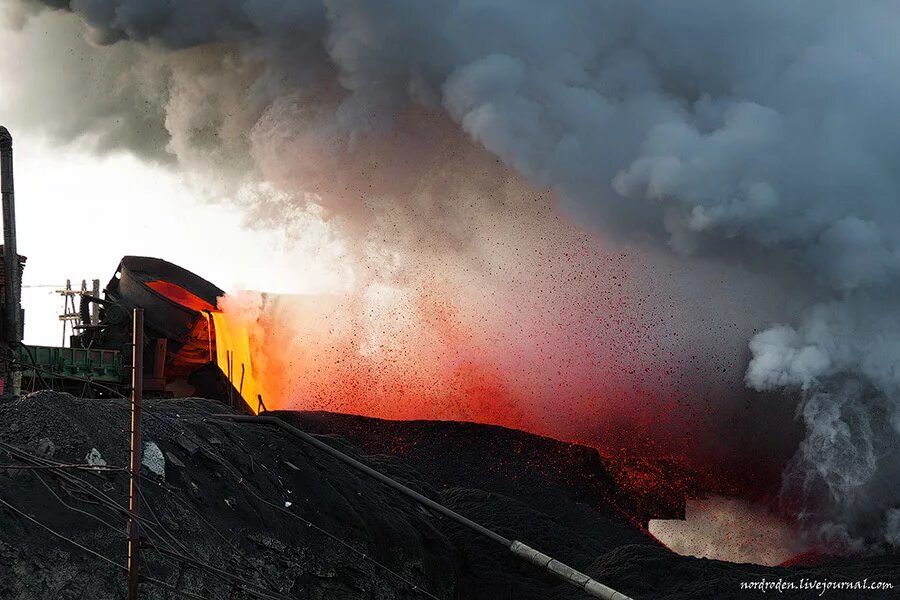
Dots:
pixel 523 551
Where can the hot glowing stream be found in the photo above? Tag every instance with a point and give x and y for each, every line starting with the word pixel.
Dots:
pixel 228 341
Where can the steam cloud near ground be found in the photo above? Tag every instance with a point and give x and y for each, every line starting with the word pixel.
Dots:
pixel 757 536
pixel 760 133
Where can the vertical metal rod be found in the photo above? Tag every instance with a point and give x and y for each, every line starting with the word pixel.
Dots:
pixel 159 359
pixel 137 389
pixel 12 290
pixel 209 332
pixel 230 379
pixel 95 308
pixel 66 296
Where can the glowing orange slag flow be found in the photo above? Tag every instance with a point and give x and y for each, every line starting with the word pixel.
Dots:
pixel 233 346
pixel 231 340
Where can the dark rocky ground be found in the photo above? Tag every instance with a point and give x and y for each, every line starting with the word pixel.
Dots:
pixel 223 502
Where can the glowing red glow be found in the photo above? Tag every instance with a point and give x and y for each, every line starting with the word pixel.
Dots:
pixel 178 294
pixel 567 346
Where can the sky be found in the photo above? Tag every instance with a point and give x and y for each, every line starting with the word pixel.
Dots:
pixel 79 212
pixel 73 224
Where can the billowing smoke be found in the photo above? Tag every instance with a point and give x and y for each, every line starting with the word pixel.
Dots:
pixel 843 355
pixel 758 134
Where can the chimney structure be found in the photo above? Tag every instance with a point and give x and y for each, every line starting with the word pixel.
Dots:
pixel 12 308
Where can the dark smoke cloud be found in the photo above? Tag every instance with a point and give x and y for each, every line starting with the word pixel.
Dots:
pixel 762 131
pixel 80 91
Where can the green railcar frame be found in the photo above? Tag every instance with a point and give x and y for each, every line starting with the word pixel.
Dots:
pixel 98 365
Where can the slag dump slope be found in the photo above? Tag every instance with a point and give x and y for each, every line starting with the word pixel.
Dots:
pixel 552 495
pixel 574 483
pixel 230 496
pixel 233 495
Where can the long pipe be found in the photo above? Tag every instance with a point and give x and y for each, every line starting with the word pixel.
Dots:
pixel 539 559
pixel 10 253
pixel 134 494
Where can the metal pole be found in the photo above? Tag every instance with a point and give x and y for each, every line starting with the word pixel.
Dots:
pixel 95 307
pixel 523 551
pixel 230 379
pixel 10 253
pixel 137 388
pixel 64 317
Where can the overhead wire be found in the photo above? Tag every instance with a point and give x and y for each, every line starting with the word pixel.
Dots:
pixel 111 504
pixel 414 587
pixel 149 527
pixel 184 555
pixel 94 553
pixel 117 530
pixel 59 535
pixel 245 560
pixel 146 504
pixel 75 508
pixel 247 586
pixel 73 467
